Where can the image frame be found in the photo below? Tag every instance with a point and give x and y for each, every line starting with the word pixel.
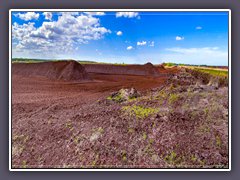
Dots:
pixel 117 10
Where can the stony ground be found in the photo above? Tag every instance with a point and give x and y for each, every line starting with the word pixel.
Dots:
pixel 181 123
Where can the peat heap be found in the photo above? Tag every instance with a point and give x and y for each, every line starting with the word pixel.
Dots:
pixel 141 70
pixel 59 70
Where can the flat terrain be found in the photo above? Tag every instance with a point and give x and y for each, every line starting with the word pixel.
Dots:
pixel 59 123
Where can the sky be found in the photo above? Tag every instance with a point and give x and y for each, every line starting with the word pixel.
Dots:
pixel 122 37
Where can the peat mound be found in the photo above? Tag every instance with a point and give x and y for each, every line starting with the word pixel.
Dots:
pixel 144 70
pixel 59 70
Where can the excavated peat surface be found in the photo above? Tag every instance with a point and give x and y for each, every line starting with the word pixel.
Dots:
pixel 62 123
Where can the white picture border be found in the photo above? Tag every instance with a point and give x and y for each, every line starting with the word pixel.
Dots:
pixel 116 10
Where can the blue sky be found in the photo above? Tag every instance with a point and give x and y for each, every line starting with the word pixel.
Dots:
pixel 122 37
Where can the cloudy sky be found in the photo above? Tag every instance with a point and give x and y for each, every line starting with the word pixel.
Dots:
pixel 117 37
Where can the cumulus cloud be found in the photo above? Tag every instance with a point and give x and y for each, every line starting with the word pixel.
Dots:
pixel 62 35
pixel 143 43
pixel 119 33
pixel 28 16
pixel 95 13
pixel 198 27
pixel 48 15
pixel 179 38
pixel 129 48
pixel 127 14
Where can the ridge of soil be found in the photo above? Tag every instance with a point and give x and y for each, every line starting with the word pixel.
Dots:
pixel 142 70
pixel 60 70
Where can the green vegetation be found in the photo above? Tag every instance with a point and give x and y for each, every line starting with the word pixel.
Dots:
pixel 68 125
pixel 193 158
pixel 120 64
pixel 28 60
pixel 131 130
pixel 25 60
pixel 118 98
pixel 144 136
pixel 87 62
pixel 124 155
pixel 173 98
pixel 169 64
pixel 214 72
pixel 139 111
pixel 173 159
pixel 170 158
pixel 218 141
pixel 24 164
pixel 121 96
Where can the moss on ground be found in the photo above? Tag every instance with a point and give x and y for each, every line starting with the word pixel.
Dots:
pixel 139 111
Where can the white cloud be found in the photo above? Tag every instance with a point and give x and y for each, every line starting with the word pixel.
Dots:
pixel 119 33
pixel 179 38
pixel 48 15
pixel 95 13
pixel 198 27
pixel 28 16
pixel 127 14
pixel 204 55
pixel 129 48
pixel 61 36
pixel 143 43
pixel 151 44
pixel 209 50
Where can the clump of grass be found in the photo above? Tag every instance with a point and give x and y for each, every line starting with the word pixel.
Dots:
pixel 173 98
pixel 94 162
pixel 218 141
pixel 131 130
pixel 139 111
pixel 118 98
pixel 170 158
pixel 204 128
pixel 24 164
pixel 173 158
pixel 124 155
pixel 193 158
pixel 23 138
pixel 99 129
pixel 144 136
pixel 161 96
pixel 69 125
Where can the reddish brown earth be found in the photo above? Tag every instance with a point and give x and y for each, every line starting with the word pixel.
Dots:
pixel 60 70
pixel 60 123
pixel 143 70
pixel 45 96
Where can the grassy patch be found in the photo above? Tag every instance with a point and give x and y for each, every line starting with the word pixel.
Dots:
pixel 173 98
pixel 139 111
pixel 172 158
pixel 117 98
pixel 214 72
